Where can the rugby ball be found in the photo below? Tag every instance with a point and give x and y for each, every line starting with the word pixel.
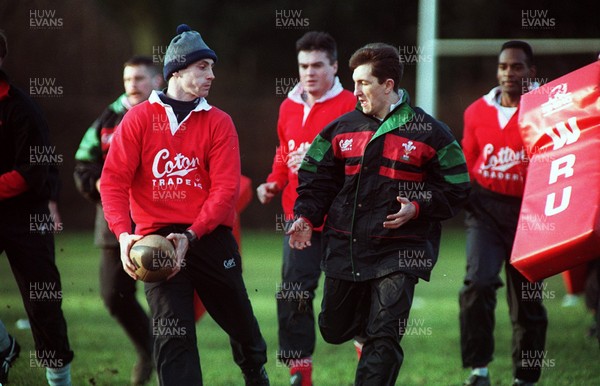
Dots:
pixel 154 258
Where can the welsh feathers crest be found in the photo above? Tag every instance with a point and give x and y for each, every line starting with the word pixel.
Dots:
pixel 408 148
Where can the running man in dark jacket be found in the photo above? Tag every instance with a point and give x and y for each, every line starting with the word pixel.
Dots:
pixel 316 100
pixel 383 176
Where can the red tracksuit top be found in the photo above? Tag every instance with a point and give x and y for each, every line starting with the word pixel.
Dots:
pixel 293 133
pixel 495 155
pixel 169 173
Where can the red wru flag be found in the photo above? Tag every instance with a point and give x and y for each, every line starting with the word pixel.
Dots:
pixel 559 223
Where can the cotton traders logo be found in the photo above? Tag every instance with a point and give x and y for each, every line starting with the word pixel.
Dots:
pixel 503 160
pixel 179 166
pixel 496 164
pixel 170 173
pixel 228 264
pixel 558 99
pixel 346 144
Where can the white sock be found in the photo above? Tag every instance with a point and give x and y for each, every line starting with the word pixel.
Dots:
pixel 59 377
pixel 519 381
pixel 481 371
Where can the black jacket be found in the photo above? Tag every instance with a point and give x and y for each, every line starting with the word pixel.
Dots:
pixel 352 174
pixel 25 147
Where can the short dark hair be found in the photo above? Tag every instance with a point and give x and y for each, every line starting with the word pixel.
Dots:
pixel 318 41
pixel 384 60
pixel 520 45
pixel 143 60
pixel 3 45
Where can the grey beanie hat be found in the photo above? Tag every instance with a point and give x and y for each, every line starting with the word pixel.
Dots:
pixel 185 48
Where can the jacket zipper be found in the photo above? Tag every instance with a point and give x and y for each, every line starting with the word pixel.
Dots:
pixel 354 213
pixel 362 161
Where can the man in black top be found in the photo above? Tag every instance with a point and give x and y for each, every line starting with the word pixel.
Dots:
pixel 26 225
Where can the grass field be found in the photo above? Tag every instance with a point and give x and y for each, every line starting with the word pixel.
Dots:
pixel 104 356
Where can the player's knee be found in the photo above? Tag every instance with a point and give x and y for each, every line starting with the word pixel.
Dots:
pixel 332 335
pixel 114 302
pixel 480 286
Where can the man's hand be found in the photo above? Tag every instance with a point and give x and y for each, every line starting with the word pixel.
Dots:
pixel 406 213
pixel 295 157
pixel 125 242
pixel 267 191
pixel 181 247
pixel 300 234
pixel 55 215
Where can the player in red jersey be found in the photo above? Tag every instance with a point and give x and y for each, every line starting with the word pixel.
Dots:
pixel 174 164
pixel 497 164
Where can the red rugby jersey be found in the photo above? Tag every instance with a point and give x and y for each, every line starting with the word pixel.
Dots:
pixel 493 147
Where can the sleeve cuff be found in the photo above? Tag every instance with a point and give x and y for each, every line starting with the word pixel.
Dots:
pixel 119 229
pixel 12 184
pixel 307 221
pixel 280 183
pixel 198 229
pixel 417 207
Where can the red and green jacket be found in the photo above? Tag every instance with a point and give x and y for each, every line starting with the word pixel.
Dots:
pixel 352 174
pixel 89 160
pixel 94 147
